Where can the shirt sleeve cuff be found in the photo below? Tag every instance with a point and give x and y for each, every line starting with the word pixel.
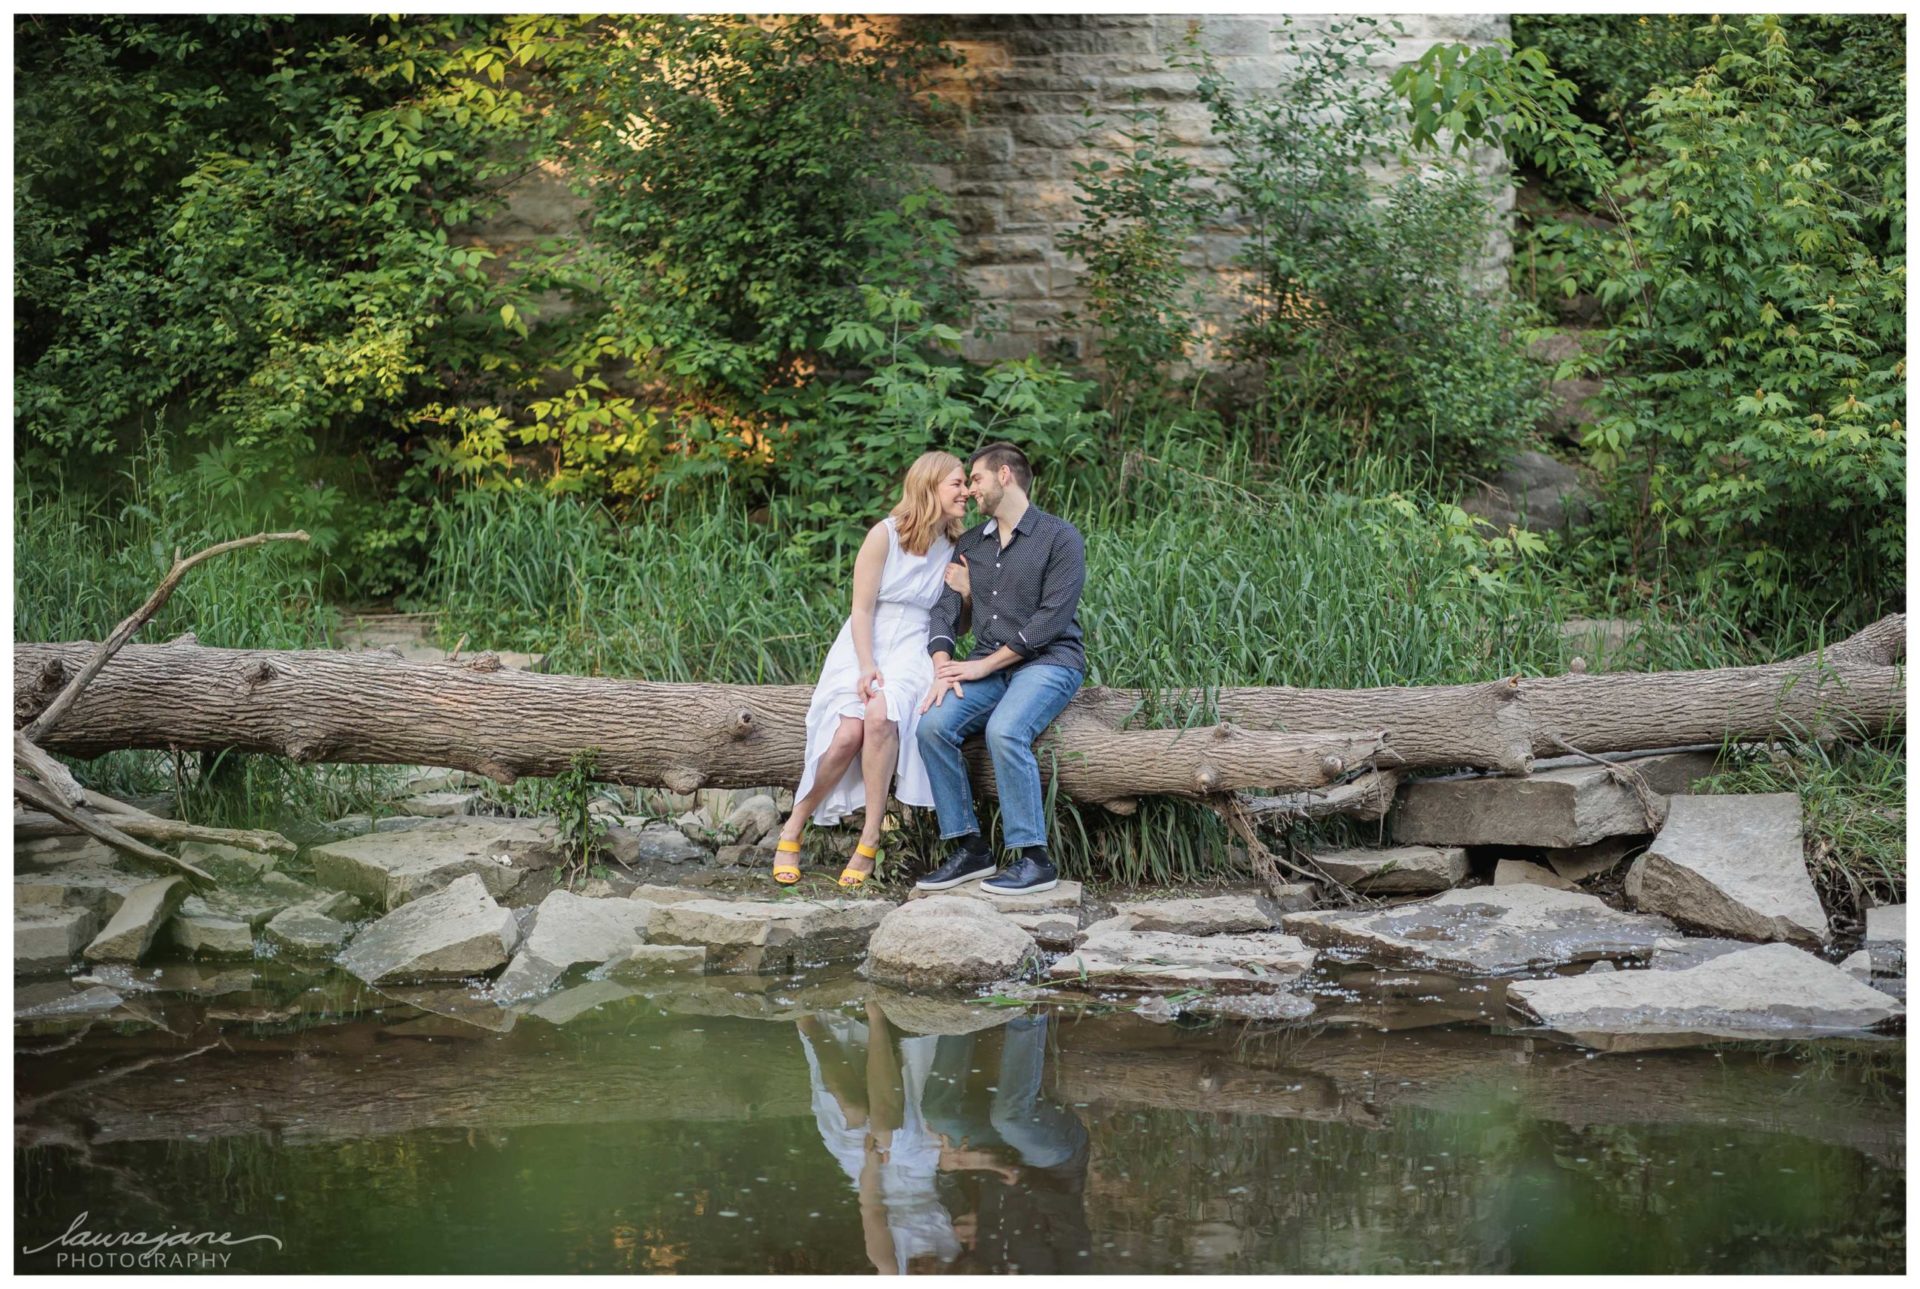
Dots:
pixel 1021 646
pixel 934 641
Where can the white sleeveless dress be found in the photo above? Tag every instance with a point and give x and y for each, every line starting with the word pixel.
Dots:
pixel 910 585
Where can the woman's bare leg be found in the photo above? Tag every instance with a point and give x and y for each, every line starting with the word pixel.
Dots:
pixel 879 751
pixel 833 763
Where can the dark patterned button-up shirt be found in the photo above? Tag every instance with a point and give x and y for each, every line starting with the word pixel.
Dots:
pixel 1024 596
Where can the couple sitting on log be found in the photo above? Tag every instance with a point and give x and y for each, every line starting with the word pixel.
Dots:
pixel 893 705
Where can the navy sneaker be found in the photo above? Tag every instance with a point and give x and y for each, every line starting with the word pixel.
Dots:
pixel 964 865
pixel 1028 876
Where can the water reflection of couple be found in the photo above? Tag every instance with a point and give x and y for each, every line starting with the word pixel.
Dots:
pixel 962 1162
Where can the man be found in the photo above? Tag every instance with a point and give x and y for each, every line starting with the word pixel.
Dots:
pixel 1026 568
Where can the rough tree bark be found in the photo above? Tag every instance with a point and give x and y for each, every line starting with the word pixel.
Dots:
pixel 476 715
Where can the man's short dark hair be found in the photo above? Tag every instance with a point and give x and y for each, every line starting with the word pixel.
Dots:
pixel 1005 454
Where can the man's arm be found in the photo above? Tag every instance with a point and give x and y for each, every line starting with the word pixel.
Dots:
pixel 943 624
pixel 1060 585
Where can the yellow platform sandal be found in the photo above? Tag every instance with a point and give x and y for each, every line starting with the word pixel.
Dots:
pixel 851 877
pixel 786 871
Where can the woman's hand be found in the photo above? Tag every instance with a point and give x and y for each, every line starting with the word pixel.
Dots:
pixel 870 684
pixel 959 578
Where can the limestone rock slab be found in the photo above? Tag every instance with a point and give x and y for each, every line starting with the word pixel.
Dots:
pixel 1064 895
pixel 1584 862
pixel 305 931
pixel 654 843
pixel 52 938
pixel 1162 961
pixel 1483 931
pixel 387 869
pixel 1568 806
pixel 209 935
pixel 1886 939
pixel 1733 865
pixel 1410 870
pixel 569 930
pixel 769 935
pixel 454 932
pixel 58 999
pixel 1760 991
pixel 644 960
pixel 1518 872
pixel 1202 915
pixel 82 883
pixel 132 929
pixel 946 940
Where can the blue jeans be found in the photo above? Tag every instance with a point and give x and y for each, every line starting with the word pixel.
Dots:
pixel 1013 706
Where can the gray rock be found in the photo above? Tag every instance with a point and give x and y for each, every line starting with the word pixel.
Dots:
pixel 1483 931
pixel 750 819
pixel 59 852
pixel 1734 865
pixel 1535 491
pixel 1166 1008
pixel 1561 807
pixel 654 893
pixel 1112 958
pixel 58 999
pixel 948 940
pixel 291 889
pixel 189 979
pixel 1859 965
pixel 132 929
pixel 389 869
pixel 644 960
pixel 1396 869
pixel 441 805
pixel 1678 952
pixel 1886 939
pixel 81 884
pixel 1603 642
pixel 399 823
pixel 773 936
pixel 655 843
pixel 1053 931
pixel 349 826
pixel 228 864
pixel 306 932
pixel 1584 862
pixel 52 938
pixel 1761 991
pixel 1204 915
pixel 569 930
pixel 209 936
pixel 1064 896
pixel 454 932
pixel 1518 872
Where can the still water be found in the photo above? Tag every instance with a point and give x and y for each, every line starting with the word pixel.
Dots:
pixel 822 1125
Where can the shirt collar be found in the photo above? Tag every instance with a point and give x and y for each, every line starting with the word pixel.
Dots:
pixel 1024 526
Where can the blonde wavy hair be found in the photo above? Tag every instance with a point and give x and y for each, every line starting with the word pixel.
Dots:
pixel 918 513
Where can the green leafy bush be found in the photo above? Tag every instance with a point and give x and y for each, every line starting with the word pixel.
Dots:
pixel 1364 315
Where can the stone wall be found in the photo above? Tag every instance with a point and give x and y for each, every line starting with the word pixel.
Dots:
pixel 1027 82
pixel 1026 85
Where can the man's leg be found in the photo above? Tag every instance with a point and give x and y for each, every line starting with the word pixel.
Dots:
pixel 1036 694
pixel 940 733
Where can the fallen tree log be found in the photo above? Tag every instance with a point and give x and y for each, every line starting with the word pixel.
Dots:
pixel 143 827
pixel 318 706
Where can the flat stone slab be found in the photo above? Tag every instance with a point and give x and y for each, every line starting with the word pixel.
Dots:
pixel 229 864
pixel 1202 915
pixel 1282 1006
pixel 946 941
pixel 1886 939
pixel 571 1004
pixel 255 907
pixel 1564 807
pixel 211 936
pixel 1112 958
pixel 451 933
pixel 1733 865
pixel 769 935
pixel 78 884
pixel 190 979
pixel 132 929
pixel 440 805
pixel 52 939
pixel 1761 991
pixel 306 932
pixel 1055 931
pixel 1400 870
pixel 1064 895
pixel 1518 872
pixel 569 930
pixel 1483 931
pixel 387 869
pixel 59 852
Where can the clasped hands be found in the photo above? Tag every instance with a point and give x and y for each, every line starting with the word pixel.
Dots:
pixel 953 674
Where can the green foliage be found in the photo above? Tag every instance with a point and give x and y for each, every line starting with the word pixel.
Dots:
pixel 1755 277
pixel 1139 215
pixel 581 828
pixel 847 437
pixel 1363 315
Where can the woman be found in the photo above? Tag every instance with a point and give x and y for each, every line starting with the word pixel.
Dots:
pixel 864 710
